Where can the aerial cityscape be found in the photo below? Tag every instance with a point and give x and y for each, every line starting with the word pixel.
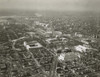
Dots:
pixel 48 43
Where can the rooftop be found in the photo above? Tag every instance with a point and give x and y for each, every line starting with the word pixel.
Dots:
pixel 32 44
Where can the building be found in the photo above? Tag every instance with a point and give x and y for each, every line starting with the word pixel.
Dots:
pixel 32 45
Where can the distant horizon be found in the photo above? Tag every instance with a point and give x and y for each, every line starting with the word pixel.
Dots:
pixel 36 10
pixel 17 12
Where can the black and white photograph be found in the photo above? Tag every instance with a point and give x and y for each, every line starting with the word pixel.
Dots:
pixel 49 38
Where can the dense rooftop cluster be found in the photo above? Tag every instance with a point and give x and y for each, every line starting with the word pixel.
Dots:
pixel 66 46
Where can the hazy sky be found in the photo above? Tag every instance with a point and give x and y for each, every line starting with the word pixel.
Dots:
pixel 77 5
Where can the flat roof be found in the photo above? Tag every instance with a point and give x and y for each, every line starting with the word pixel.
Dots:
pixel 34 44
